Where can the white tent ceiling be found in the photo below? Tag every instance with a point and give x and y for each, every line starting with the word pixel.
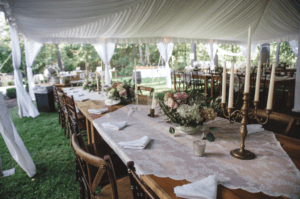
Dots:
pixel 145 21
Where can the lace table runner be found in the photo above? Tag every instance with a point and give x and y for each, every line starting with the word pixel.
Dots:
pixel 271 172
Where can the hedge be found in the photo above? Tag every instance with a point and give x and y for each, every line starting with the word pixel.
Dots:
pixel 11 83
pixel 11 92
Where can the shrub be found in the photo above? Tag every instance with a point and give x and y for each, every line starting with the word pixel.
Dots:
pixel 11 92
pixel 11 83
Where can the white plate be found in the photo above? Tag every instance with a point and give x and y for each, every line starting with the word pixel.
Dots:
pixel 112 102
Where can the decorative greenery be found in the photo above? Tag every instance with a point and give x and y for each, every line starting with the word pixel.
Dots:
pixel 172 130
pixel 210 137
pixel 11 83
pixel 187 109
pixel 90 83
pixel 120 90
pixel 11 92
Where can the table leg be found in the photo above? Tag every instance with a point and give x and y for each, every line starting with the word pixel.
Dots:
pixel 115 74
pixel 212 87
pixel 290 99
pixel 205 85
pixel 88 130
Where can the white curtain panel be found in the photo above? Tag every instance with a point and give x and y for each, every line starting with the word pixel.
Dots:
pixel 165 50
pixel 106 50
pixel 13 141
pixel 146 21
pixel 32 49
pixel 211 51
pixel 295 47
pixel 26 106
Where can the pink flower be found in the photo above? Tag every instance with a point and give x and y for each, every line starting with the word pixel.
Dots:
pixel 181 97
pixel 172 104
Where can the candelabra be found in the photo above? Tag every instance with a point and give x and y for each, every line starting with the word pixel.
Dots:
pixel 244 113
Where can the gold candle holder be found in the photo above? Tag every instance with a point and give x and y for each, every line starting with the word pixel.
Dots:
pixel 152 113
pixel 244 113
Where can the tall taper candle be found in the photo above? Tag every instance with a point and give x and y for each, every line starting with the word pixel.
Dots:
pixel 231 87
pixel 153 103
pixel 97 82
pixel 102 80
pixel 247 78
pixel 224 84
pixel 135 82
pixel 271 88
pixel 257 87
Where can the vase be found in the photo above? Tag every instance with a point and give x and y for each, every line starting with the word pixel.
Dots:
pixel 192 129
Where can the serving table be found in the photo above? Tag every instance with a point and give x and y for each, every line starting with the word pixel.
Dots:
pixel 164 186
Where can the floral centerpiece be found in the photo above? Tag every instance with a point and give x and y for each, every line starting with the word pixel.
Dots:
pixel 120 90
pixel 90 83
pixel 188 111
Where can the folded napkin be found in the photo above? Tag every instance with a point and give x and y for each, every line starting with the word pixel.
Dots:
pixel 206 188
pixel 67 89
pixel 98 111
pixel 82 98
pixel 75 91
pixel 114 125
pixel 254 128
pixel 136 144
pixel 82 94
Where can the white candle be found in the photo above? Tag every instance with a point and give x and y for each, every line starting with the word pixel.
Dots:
pixel 271 88
pixel 153 104
pixel 97 82
pixel 135 82
pixel 231 87
pixel 257 87
pixel 224 83
pixel 102 80
pixel 247 78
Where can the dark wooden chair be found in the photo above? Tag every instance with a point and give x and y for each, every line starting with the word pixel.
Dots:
pixel 78 117
pixel 196 82
pixel 92 169
pixel 61 111
pixel 139 189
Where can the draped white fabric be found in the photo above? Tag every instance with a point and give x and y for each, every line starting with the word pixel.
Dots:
pixel 13 141
pixel 165 50
pixel 295 47
pixel 26 107
pixel 224 52
pixel 106 50
pixel 147 21
pixel 31 51
pixel 244 48
pixel 211 51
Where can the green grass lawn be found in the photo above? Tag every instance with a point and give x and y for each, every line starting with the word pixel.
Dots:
pixel 53 157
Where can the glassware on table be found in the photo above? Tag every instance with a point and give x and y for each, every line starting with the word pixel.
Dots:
pixel 199 147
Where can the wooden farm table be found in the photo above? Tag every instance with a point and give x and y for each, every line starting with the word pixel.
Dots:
pixel 164 187
pixel 205 77
pixel 290 82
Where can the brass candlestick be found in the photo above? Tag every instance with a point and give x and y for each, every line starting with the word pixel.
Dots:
pixel 244 113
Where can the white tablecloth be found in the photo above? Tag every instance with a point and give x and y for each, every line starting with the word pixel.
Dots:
pixel 91 95
pixel 272 172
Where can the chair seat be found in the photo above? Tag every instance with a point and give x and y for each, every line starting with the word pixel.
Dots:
pixel 124 189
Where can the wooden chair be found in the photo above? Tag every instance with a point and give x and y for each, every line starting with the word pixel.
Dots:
pixel 61 111
pixel 143 88
pixel 78 117
pixel 138 187
pixel 196 81
pixel 91 169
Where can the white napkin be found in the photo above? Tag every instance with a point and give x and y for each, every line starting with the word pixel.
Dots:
pixel 82 98
pixel 75 91
pixel 114 125
pixel 67 89
pixel 136 144
pixel 98 111
pixel 254 128
pixel 206 188
pixel 82 94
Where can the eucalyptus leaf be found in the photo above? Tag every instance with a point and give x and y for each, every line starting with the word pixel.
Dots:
pixel 210 137
pixel 172 130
